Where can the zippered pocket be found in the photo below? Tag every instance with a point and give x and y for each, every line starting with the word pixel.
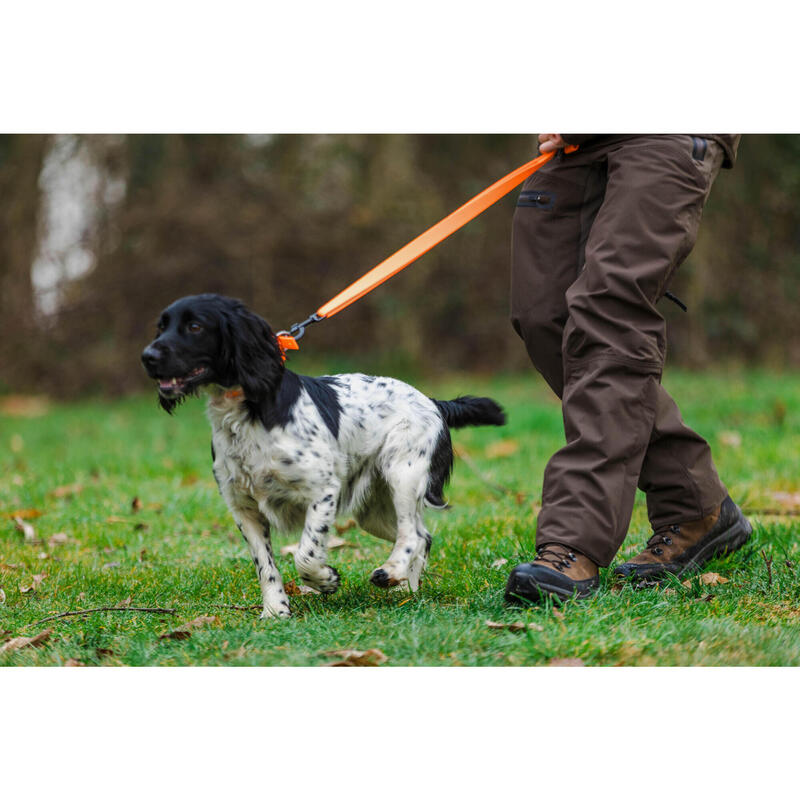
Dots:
pixel 533 199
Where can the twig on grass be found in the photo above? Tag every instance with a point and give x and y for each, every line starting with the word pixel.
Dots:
pixel 107 608
pixel 768 563
pixel 496 487
pixel 239 608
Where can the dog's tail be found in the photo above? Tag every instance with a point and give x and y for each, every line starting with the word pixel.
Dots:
pixel 465 411
pixel 458 413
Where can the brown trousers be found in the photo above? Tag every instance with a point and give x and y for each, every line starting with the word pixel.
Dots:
pixel 597 237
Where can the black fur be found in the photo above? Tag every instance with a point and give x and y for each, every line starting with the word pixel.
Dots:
pixel 468 410
pixel 440 470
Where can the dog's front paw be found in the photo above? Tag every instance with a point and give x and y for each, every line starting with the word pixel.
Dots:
pixel 385 579
pixel 326 581
pixel 276 612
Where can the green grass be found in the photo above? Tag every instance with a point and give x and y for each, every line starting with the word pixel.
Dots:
pixel 181 549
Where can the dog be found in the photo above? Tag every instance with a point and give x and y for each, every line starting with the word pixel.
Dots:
pixel 292 452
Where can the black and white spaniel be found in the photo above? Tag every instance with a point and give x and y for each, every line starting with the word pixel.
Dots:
pixel 293 452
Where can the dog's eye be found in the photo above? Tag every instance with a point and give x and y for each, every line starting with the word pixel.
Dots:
pixel 194 327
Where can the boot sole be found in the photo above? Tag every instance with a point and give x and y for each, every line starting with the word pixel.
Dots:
pixel 728 542
pixel 544 589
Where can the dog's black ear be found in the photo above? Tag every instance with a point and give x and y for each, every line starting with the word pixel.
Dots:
pixel 252 354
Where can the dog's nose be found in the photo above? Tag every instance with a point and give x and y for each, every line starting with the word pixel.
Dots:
pixel 150 357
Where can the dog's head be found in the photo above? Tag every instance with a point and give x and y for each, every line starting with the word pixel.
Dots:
pixel 207 338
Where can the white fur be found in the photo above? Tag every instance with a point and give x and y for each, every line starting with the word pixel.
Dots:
pixel 299 476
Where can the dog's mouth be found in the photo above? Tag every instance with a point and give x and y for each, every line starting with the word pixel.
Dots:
pixel 169 387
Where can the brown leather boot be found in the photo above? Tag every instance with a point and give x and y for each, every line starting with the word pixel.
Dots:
pixel 686 546
pixel 557 570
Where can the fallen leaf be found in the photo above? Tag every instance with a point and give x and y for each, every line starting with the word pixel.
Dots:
pixel 58 538
pixel 67 491
pixel 28 531
pixel 23 513
pixel 103 652
pixel 351 523
pixel 706 579
pixel 36 582
pixel 136 505
pixel 116 520
pixel 502 448
pixel 293 590
pixel 26 641
pixel 185 631
pixel 357 658
pixel 74 662
pixel 499 563
pixel 558 614
pixel 730 438
pixel 124 603
pixel 2 597
pixel 9 567
pixel 22 405
pixel 566 662
pixel 514 626
pixel 669 590
pixel 189 480
pixel 788 501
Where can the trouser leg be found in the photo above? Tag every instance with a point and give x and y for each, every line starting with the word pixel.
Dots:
pixel 619 421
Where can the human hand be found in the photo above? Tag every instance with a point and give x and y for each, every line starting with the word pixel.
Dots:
pixel 550 141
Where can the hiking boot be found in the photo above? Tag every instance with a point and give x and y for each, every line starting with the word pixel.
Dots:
pixel 557 570
pixel 686 546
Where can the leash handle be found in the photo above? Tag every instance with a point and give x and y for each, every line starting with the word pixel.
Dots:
pixel 417 247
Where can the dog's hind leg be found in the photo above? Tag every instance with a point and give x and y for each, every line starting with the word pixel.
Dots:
pixel 255 529
pixel 408 489
pixel 421 555
pixel 312 550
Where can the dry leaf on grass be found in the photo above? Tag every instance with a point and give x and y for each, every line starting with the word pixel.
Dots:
pixel 499 563
pixel 349 525
pixel 125 603
pixel 58 538
pixel 28 531
pixel 513 626
pixel 357 658
pixel 706 579
pixel 502 448
pixel 23 513
pixel 67 491
pixel 20 642
pixel 558 614
pixel 788 501
pixel 566 662
pixel 136 505
pixel 293 590
pixel 34 585
pixel 185 631
pixel 74 662
pixel 23 405
pixel 2 597
pixel 730 438
pixel 9 567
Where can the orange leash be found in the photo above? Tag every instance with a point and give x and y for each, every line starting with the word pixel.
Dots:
pixel 287 340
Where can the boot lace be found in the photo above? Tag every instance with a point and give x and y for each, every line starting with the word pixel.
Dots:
pixel 660 537
pixel 556 555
